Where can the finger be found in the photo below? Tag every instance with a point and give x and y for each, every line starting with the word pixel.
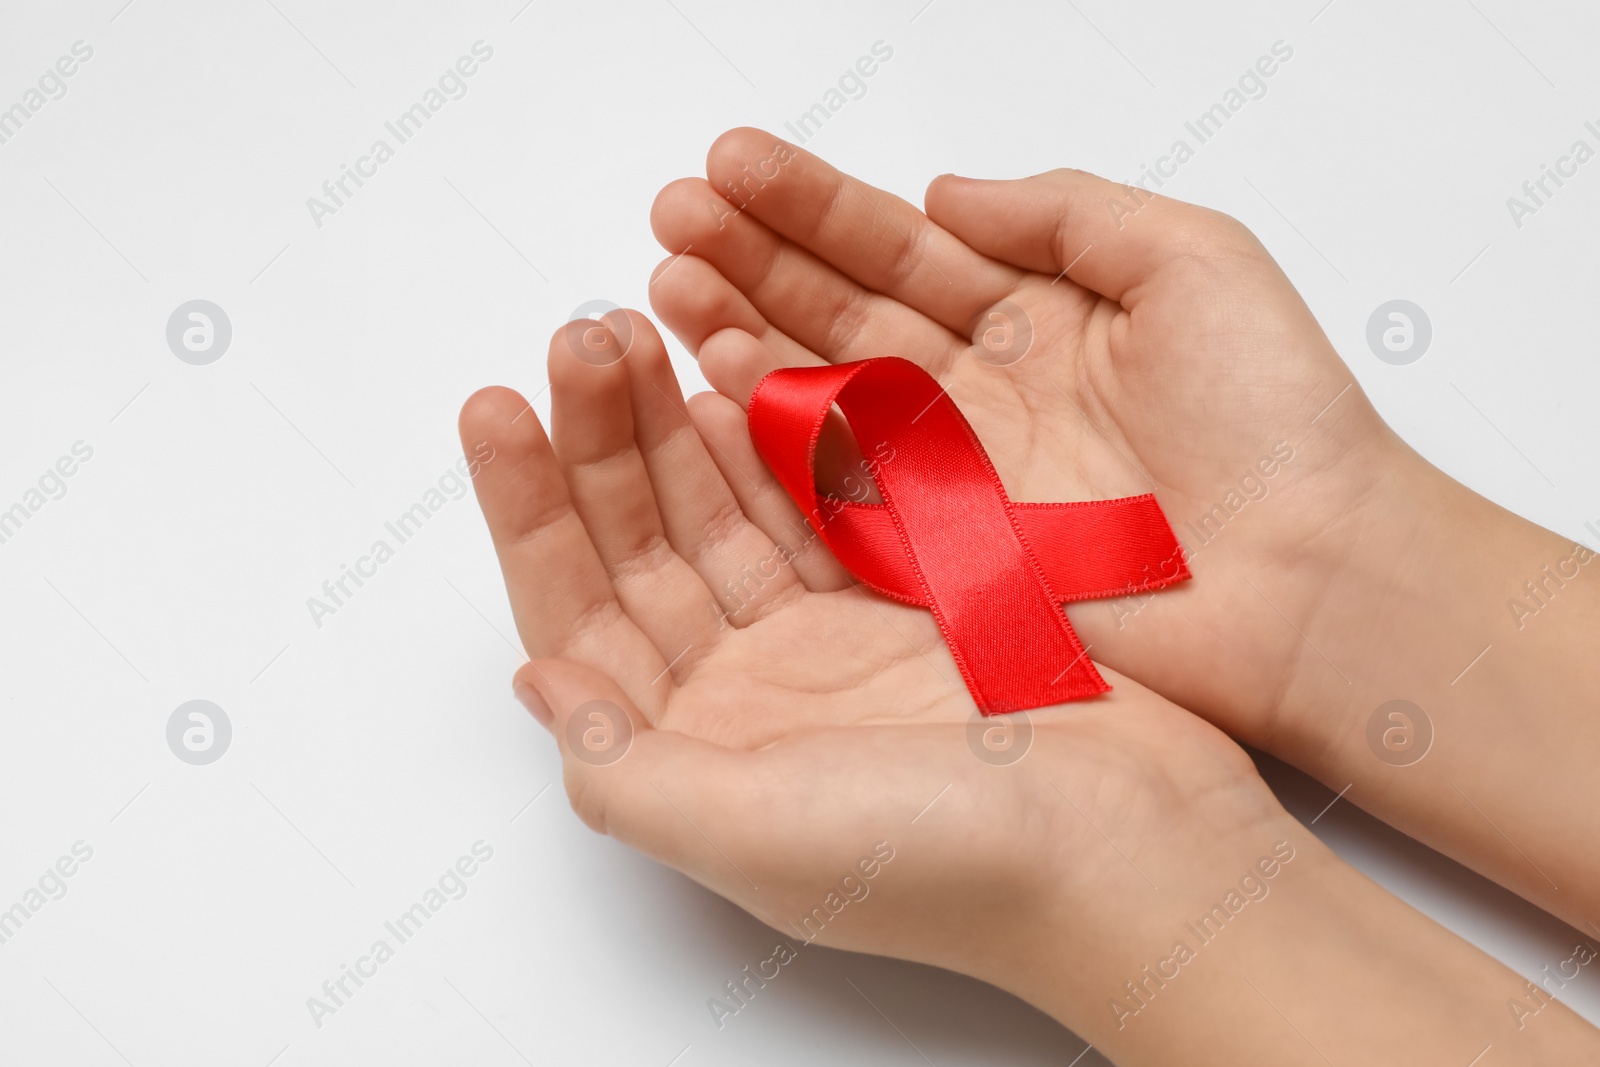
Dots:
pixel 872 237
pixel 695 302
pixel 1109 238
pixel 592 431
pixel 722 421
pixel 734 363
pixel 561 599
pixel 733 344
pixel 699 512
pixel 813 303
pixel 669 795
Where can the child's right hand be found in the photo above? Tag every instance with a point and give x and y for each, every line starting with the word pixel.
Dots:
pixel 1097 353
pixel 1336 571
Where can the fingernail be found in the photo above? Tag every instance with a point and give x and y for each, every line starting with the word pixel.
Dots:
pixel 534 703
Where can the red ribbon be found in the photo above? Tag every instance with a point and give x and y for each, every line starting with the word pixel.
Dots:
pixel 995 573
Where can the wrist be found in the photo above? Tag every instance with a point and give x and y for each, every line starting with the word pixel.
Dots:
pixel 1104 963
pixel 1457 629
pixel 1313 964
pixel 1405 601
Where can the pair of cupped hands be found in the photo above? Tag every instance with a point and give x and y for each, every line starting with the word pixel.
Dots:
pixel 783 719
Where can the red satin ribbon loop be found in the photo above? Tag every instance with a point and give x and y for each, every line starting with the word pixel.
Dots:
pixel 994 573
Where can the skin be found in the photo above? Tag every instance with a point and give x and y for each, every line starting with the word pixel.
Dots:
pixel 770 743
pixel 1170 354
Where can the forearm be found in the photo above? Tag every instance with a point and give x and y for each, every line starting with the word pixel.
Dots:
pixel 1488 624
pixel 1323 967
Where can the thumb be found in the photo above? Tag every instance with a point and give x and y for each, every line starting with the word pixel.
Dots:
pixel 1103 235
pixel 579 692
pixel 669 795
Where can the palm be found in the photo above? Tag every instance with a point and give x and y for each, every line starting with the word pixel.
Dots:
pixel 627 542
pixel 827 658
pixel 1190 371
pixel 1106 403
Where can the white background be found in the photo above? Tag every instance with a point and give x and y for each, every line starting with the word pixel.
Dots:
pixel 368 754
